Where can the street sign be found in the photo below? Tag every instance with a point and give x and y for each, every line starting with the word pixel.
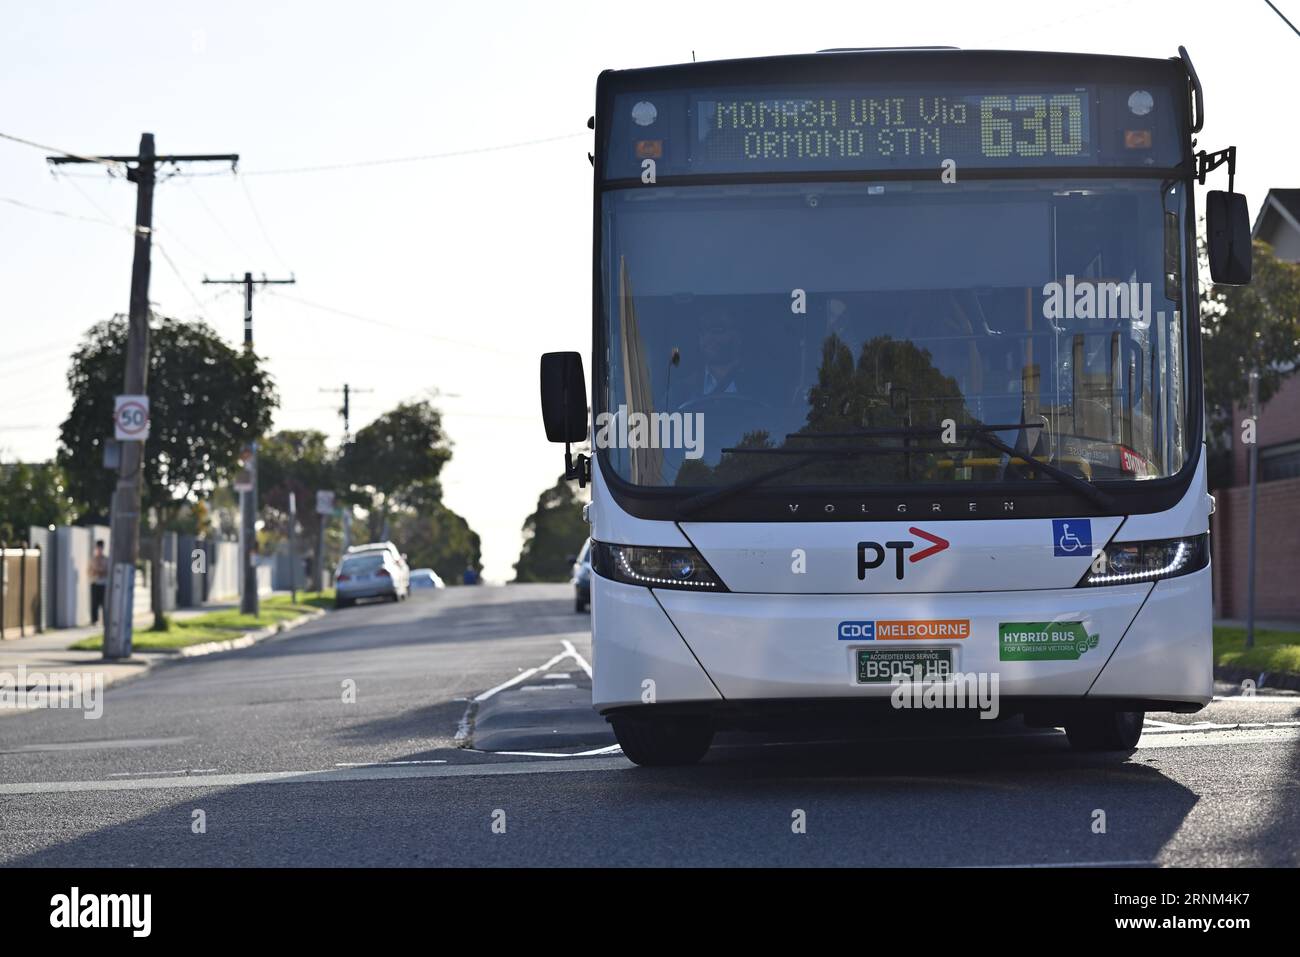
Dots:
pixel 324 503
pixel 244 481
pixel 131 418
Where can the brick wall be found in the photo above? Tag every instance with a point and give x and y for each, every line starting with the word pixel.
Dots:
pixel 1277 550
pixel 1279 421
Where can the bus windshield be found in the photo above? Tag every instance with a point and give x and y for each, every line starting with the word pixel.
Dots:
pixel 893 321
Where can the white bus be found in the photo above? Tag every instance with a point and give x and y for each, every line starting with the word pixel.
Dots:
pixel 896 377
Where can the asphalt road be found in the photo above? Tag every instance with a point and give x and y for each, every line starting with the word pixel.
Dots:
pixel 343 743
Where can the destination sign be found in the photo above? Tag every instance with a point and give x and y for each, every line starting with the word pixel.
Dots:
pixel 746 130
pixel 891 129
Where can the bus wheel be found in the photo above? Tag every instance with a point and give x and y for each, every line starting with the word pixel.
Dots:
pixel 1105 730
pixel 662 742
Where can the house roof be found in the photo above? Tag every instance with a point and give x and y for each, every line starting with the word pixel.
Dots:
pixel 1281 207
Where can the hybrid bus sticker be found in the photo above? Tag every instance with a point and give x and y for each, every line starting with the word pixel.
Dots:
pixel 1044 640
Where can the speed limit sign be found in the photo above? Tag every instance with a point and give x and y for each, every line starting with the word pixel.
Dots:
pixel 131 418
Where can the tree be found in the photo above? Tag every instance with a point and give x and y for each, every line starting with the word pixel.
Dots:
pixel 297 462
pixel 433 536
pixel 552 535
pixel 207 400
pixel 31 495
pixel 396 460
pixel 1248 325
pixel 1244 328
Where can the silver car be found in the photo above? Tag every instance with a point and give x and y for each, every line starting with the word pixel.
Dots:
pixel 371 574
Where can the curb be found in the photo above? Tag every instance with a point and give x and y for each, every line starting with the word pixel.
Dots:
pixel 247 639
pixel 1285 680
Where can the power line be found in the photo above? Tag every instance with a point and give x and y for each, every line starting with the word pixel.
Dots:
pixel 62 214
pixel 213 216
pixel 1283 16
pixel 257 218
pixel 392 325
pixel 358 164
pixel 84 195
pixel 115 164
pixel 168 259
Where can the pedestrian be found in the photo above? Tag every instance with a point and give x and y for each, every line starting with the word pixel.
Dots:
pixel 98 580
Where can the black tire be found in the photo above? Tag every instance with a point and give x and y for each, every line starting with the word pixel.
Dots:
pixel 342 602
pixel 663 742
pixel 1105 730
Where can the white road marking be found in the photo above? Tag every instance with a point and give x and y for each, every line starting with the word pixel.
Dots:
pixel 1168 728
pixel 94 745
pixel 594 752
pixel 383 764
pixel 523 676
pixel 558 676
pixel 573 653
pixel 340 775
pixel 1219 737
pixel 142 774
pixel 1074 864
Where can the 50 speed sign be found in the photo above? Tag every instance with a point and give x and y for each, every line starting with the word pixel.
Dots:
pixel 131 418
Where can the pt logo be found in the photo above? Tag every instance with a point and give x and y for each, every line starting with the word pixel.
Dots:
pixel 872 554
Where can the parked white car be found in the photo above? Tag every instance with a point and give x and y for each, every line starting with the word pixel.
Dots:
pixel 371 573
pixel 422 578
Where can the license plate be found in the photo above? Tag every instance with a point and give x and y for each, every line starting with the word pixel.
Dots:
pixel 879 665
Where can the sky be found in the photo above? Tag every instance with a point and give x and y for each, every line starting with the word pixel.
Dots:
pixel 446 277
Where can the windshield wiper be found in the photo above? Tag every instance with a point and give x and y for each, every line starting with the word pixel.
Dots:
pixel 980 433
pixel 1068 479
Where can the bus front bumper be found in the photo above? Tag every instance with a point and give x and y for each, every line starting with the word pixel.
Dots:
pixel 1147 645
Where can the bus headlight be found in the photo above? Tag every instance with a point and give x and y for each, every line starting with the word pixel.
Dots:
pixel 1123 563
pixel 654 567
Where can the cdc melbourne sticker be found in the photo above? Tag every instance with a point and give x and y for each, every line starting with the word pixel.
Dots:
pixel 857 631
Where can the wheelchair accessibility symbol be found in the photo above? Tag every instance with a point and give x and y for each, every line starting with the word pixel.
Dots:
pixel 1071 537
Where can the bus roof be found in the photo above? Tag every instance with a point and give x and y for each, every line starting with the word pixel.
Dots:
pixel 903 63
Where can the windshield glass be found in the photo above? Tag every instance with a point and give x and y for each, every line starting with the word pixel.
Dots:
pixel 362 564
pixel 893 321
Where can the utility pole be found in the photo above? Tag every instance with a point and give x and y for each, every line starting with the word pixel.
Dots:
pixel 346 412
pixel 119 614
pixel 248 603
pixel 1254 505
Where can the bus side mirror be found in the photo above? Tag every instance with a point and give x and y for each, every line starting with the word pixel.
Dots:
pixel 564 397
pixel 1227 239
